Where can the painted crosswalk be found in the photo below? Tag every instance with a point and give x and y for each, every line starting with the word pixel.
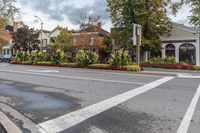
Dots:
pixel 69 120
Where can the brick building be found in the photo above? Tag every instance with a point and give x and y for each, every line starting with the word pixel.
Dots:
pixel 5 34
pixel 89 37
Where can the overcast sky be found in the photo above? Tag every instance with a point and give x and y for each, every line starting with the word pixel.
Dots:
pixel 66 13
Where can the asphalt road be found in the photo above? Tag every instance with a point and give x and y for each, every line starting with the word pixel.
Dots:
pixel 91 101
pixel 2 129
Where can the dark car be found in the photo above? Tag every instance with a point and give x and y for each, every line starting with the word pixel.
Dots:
pixel 6 58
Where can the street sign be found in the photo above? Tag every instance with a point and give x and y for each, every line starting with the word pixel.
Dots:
pixel 134 35
pixel 137 32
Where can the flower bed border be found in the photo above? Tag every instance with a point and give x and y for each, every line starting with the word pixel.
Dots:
pixel 169 66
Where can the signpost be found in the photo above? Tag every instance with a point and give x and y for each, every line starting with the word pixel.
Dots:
pixel 137 33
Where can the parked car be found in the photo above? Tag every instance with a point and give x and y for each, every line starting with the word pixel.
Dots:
pixel 6 58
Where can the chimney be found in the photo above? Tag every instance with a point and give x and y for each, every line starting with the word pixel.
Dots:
pixel 99 26
pixel 15 26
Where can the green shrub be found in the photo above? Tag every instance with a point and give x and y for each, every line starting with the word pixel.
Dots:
pixel 26 63
pixel 119 59
pixel 84 58
pixel 101 66
pixel 182 63
pixel 169 60
pixel 196 67
pixel 55 57
pixel 46 57
pixel 160 61
pixel 19 56
pixel 134 68
pixel 73 65
pixel 63 57
pixel 44 63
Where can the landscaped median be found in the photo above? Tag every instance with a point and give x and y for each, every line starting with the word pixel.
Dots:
pixel 133 68
pixel 84 59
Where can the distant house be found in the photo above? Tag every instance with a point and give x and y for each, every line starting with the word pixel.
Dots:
pixel 89 37
pixel 183 43
pixel 45 38
pixel 5 33
pixel 54 33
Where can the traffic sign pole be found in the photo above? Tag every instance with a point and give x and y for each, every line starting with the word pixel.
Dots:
pixel 137 40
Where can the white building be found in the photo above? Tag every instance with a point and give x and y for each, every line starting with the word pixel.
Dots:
pixel 183 43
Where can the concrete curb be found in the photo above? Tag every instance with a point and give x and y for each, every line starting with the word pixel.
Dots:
pixel 159 73
pixel 26 122
pixel 9 126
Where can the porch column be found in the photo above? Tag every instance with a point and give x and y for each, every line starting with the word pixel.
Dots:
pixel 163 51
pixel 6 51
pixel 10 51
pixel 177 52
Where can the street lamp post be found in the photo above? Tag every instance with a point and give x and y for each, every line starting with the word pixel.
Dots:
pixel 40 32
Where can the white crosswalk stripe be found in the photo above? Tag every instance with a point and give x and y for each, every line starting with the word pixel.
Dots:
pixel 69 120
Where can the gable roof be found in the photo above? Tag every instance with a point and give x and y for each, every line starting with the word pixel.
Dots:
pixel 186 27
pixel 91 29
pixel 56 28
pixel 46 31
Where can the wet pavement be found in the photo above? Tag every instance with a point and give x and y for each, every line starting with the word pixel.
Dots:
pixel 2 129
pixel 160 110
pixel 42 98
pixel 38 106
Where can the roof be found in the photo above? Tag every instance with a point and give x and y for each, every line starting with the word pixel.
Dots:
pixel 56 28
pixel 186 27
pixel 91 28
pixel 46 31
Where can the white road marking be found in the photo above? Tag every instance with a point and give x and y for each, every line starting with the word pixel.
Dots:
pixel 188 76
pixel 95 129
pixel 183 128
pixel 4 65
pixel 69 120
pixel 44 71
pixel 72 77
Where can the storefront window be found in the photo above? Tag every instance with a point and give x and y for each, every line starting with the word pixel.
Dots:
pixel 170 50
pixel 187 53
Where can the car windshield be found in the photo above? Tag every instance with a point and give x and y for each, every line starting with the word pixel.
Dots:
pixel 7 56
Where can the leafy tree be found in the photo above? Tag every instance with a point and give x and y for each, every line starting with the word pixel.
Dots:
pixel 64 41
pixel 107 41
pixel 91 19
pixel 3 43
pixel 195 17
pixel 7 10
pixel 150 14
pixel 26 39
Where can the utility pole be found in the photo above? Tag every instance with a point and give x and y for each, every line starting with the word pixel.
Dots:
pixel 41 44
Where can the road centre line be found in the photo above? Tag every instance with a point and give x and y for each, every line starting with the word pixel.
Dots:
pixel 185 123
pixel 69 120
pixel 71 77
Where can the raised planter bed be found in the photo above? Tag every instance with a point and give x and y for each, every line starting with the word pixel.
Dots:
pixel 169 66
pixel 74 65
